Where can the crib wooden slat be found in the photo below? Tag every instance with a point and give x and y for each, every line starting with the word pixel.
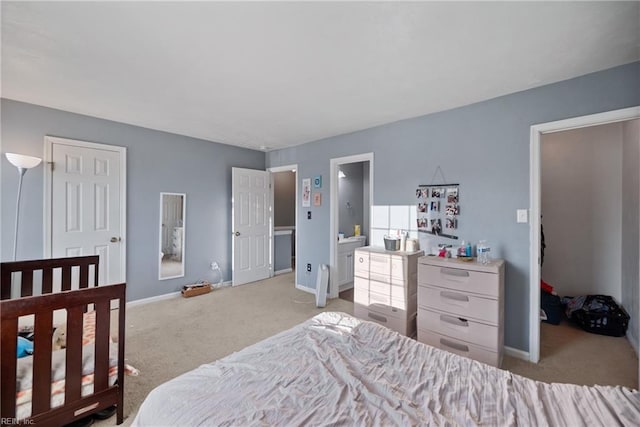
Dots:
pixel 5 283
pixel 95 273
pixel 41 400
pixel 47 280
pixel 26 286
pixel 8 367
pixel 66 278
pixel 101 378
pixel 84 276
pixel 73 377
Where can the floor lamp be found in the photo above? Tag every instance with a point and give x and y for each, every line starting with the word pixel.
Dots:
pixel 23 163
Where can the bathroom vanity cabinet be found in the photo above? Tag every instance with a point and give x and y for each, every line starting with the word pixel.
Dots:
pixel 346 249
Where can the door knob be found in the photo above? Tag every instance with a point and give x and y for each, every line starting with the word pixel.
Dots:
pixel 115 239
pixel 237 233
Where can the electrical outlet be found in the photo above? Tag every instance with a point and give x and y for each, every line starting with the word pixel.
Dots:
pixel 309 267
pixel 521 216
pixel 308 214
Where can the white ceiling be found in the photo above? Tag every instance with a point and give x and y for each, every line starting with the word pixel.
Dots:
pixel 280 74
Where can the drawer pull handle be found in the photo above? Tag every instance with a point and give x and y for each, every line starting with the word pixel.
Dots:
pixel 361 260
pixel 377 317
pixel 454 345
pixel 454 272
pixel 454 296
pixel 458 321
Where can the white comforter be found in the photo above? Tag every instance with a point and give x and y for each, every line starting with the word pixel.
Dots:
pixel 337 370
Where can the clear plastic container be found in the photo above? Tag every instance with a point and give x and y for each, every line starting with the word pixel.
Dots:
pixel 483 250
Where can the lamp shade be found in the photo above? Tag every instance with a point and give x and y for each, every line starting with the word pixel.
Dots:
pixel 22 161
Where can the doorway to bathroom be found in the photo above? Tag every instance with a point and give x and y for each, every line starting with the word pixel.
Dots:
pixel 351 198
pixel 284 193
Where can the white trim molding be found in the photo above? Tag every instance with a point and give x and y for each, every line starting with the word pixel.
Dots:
pixel 305 289
pixel 333 203
pixel 518 354
pixel 293 168
pixel 534 202
pixel 145 301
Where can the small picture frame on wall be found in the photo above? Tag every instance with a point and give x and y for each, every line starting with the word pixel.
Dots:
pixel 317 181
pixel 306 192
pixel 317 199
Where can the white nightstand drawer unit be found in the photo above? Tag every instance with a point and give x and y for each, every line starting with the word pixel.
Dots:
pixel 460 307
pixel 385 288
pixel 361 261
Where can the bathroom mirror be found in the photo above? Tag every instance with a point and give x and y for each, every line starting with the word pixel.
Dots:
pixel 171 254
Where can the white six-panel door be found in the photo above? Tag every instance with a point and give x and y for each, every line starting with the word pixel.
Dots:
pixel 86 206
pixel 251 229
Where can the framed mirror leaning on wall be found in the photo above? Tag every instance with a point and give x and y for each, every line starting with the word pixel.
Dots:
pixel 172 226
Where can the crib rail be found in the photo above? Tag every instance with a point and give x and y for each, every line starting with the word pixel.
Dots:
pixel 26 270
pixel 43 307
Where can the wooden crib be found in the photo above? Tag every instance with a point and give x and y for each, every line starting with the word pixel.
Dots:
pixel 83 272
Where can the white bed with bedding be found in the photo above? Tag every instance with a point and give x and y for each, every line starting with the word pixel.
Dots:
pixel 337 370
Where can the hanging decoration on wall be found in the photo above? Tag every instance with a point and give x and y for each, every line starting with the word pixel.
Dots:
pixel 317 199
pixel 438 208
pixel 306 192
pixel 317 181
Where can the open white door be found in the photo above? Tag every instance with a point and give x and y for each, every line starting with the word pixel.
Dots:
pixel 251 228
pixel 85 205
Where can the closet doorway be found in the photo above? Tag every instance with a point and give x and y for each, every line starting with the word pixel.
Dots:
pixel 584 190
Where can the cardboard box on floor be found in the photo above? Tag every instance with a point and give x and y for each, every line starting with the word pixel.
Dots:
pixel 196 289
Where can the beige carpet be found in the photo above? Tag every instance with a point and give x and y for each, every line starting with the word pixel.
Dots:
pixel 170 337
pixel 570 355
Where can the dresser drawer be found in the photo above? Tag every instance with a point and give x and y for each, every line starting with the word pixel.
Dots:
pixel 380 263
pixel 383 304
pixel 477 282
pixel 459 303
pixel 459 347
pixel 361 263
pixel 459 327
pixel 401 325
pixel 378 287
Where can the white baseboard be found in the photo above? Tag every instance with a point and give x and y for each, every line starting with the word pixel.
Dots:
pixel 345 287
pixel 223 285
pixel 518 354
pixel 306 289
pixel 144 301
pixel 286 270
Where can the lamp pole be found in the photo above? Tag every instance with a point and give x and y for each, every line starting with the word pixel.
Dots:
pixel 22 163
pixel 21 172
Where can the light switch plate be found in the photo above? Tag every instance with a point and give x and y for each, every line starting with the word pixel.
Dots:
pixel 522 216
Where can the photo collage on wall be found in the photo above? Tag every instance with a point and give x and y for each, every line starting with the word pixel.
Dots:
pixel 438 209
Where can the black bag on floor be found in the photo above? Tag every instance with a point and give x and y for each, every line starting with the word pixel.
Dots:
pixel 601 315
pixel 552 307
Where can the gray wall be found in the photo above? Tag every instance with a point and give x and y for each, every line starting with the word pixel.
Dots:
pixel 485 148
pixel 351 199
pixel 581 210
pixel 284 194
pixel 156 161
pixel 631 224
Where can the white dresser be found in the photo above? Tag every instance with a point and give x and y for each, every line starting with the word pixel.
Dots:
pixel 176 243
pixel 385 288
pixel 461 307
